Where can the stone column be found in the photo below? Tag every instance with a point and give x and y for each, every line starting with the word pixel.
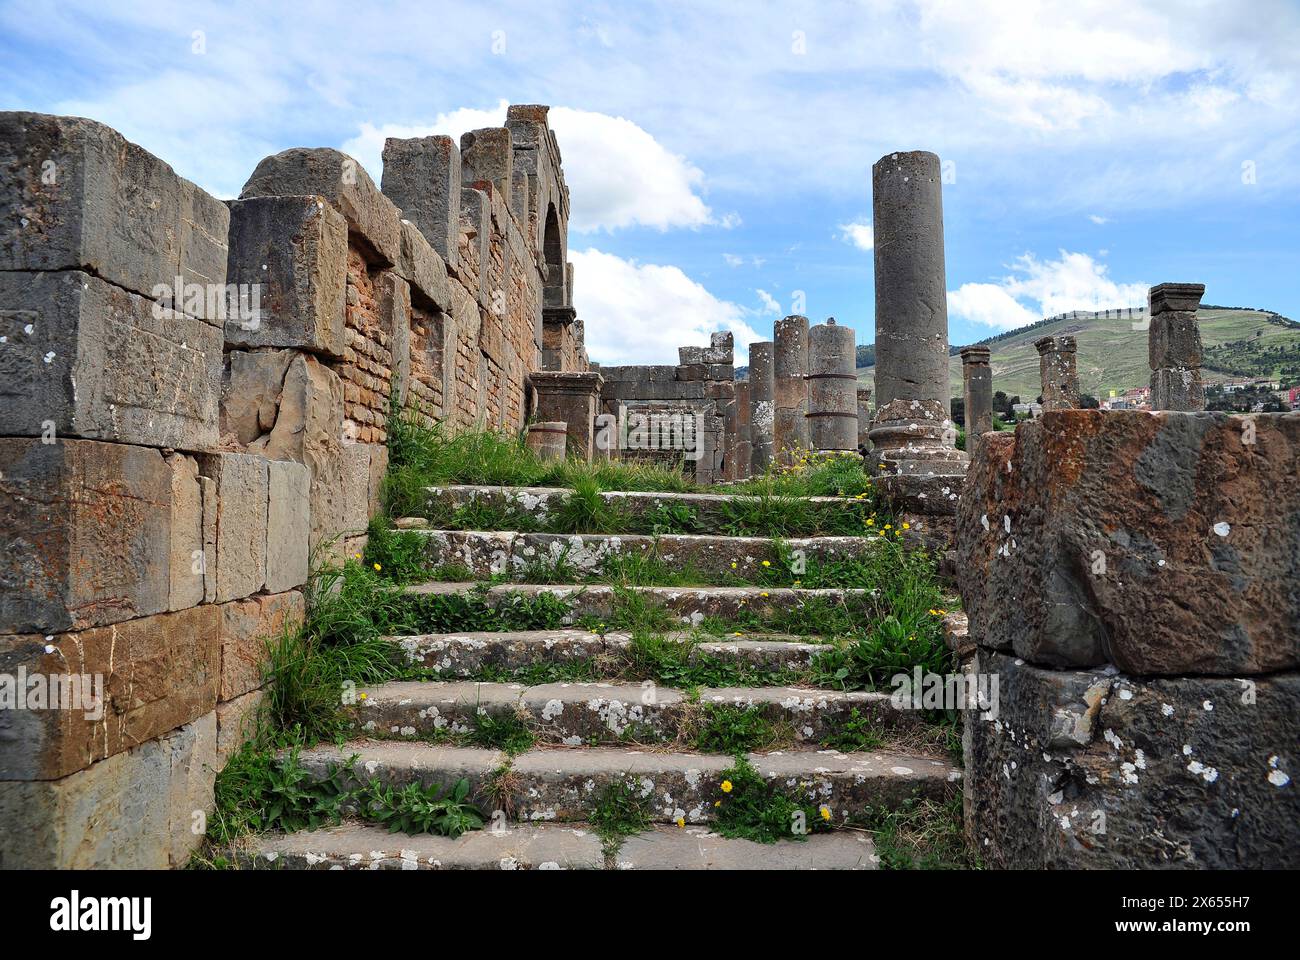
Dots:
pixel 913 432
pixel 572 398
pixel 977 395
pixel 761 403
pixel 1175 347
pixel 549 440
pixel 744 443
pixel 1056 367
pixel 790 388
pixel 832 388
pixel 864 418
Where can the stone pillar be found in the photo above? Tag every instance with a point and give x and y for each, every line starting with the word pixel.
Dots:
pixel 1175 347
pixel 832 388
pixel 913 431
pixel 761 405
pixel 744 421
pixel 790 388
pixel 977 394
pixel 572 398
pixel 548 440
pixel 1056 367
pixel 864 418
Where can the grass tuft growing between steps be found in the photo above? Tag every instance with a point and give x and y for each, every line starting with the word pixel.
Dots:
pixel 920 834
pixel 751 807
pixel 619 813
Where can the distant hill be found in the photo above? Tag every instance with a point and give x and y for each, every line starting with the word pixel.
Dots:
pixel 1240 343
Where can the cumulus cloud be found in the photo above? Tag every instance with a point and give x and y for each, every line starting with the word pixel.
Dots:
pixel 1074 281
pixel 859 233
pixel 642 312
pixel 1097 219
pixel 618 174
pixel 770 304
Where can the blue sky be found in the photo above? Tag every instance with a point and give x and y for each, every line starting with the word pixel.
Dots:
pixel 719 154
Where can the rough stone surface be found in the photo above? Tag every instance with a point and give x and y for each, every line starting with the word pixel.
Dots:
pixel 1057 357
pixel 134 810
pixel 86 530
pixel 1094 769
pixel 342 182
pixel 832 388
pixel 1185 561
pixel 154 674
pixel 911 295
pixel 241 481
pixel 697 849
pixel 352 846
pixel 296 250
pixel 78 196
pixel 237 721
pixel 790 388
pixel 288 525
pixel 246 627
pixel 84 358
pixel 422 177
pixel 977 394
pixel 189 559
pixel 549 440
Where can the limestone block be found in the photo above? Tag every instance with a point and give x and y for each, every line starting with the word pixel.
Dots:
pixel 423 268
pixel 1093 769
pixel 1174 340
pixel 134 810
pixel 288 406
pixel 246 628
pixel 86 532
pixel 78 196
pixel 116 686
pixel 1177 388
pixel 394 295
pixel 188 560
pixel 422 177
pixel 295 249
pixel 487 155
pixel 88 359
pixel 288 524
pixel 237 722
pixel 356 487
pixel 241 481
pixel 343 182
pixel 378 470
pixel 1185 560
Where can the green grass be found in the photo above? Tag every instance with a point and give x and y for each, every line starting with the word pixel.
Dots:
pixel 619 813
pixel 755 808
pixel 920 834
pixel 731 729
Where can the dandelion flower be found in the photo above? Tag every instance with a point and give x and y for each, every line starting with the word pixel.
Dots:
pixel 767 563
pixel 826 813
pixel 726 786
pixel 378 567
pixel 681 822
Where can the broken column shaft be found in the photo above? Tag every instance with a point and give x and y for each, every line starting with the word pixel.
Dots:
pixel 832 388
pixel 913 432
pixel 790 388
pixel 977 395
pixel 760 399
pixel 1175 347
pixel 1057 370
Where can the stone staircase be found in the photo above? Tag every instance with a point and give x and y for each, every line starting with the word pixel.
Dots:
pixel 611 732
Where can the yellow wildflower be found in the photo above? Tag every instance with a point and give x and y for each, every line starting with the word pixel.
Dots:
pixel 378 567
pixel 826 813
pixel 767 563
pixel 870 522
pixel 681 822
pixel 726 786
pixel 907 526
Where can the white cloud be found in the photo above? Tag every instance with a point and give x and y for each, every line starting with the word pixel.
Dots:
pixel 732 260
pixel 641 313
pixel 618 174
pixel 862 235
pixel 770 304
pixel 1098 220
pixel 1073 282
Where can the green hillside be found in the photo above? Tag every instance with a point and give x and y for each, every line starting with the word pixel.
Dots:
pixel 1113 356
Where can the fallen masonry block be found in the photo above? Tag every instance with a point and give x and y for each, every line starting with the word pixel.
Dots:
pixel 86 531
pixel 84 358
pixel 78 196
pixel 1101 770
pixel 1185 560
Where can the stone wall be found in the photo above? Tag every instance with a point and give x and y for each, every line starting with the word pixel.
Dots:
pixel 195 400
pixel 1133 581
pixel 700 388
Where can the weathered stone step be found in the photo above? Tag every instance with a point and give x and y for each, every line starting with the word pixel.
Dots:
pixel 465 654
pixel 576 713
pixel 710 557
pixel 691 605
pixel 359 846
pixel 565 785
pixel 707 512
